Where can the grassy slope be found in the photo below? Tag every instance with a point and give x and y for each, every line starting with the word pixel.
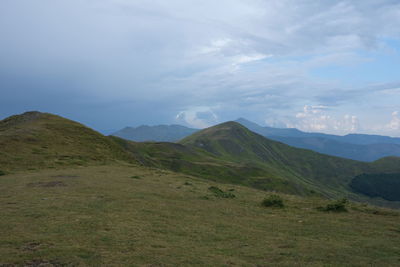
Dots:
pixel 37 140
pixel 236 143
pixel 102 216
pixel 198 162
pixel 226 153
pixel 233 142
pixel 231 153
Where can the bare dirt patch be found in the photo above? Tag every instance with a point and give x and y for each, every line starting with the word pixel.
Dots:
pixel 32 246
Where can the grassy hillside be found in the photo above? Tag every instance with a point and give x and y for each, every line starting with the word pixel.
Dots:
pixel 233 142
pixel 35 140
pixel 227 153
pixel 121 216
pixel 231 153
pixel 200 163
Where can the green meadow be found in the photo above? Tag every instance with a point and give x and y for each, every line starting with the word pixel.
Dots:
pixel 129 215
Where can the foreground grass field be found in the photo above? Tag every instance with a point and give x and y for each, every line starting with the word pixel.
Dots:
pixel 129 215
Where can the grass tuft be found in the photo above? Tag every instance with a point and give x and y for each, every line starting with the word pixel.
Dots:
pixel 273 201
pixel 336 206
pixel 219 193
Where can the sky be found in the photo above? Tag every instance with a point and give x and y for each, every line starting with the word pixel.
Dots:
pixel 316 65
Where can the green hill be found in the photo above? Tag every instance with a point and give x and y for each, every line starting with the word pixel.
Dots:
pixel 234 142
pixel 231 153
pixel 36 140
pixel 83 202
pixel 227 153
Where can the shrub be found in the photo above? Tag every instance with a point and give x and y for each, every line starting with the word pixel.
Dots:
pixel 135 177
pixel 219 193
pixel 273 201
pixel 2 173
pixel 336 206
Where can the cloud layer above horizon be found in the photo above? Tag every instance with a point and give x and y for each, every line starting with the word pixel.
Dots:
pixel 326 66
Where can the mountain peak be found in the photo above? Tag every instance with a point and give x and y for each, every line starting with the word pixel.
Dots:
pixel 220 138
pixel 42 140
pixel 241 119
pixel 224 127
pixel 230 124
pixel 21 118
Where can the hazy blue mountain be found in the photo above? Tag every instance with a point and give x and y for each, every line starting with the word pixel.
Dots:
pixel 360 139
pixel 364 139
pixel 270 131
pixel 159 133
pixel 369 152
pixel 352 146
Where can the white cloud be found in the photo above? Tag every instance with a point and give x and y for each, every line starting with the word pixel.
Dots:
pixel 215 46
pixel 318 119
pixel 394 124
pixel 197 117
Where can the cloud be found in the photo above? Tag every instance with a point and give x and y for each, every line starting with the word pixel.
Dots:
pixel 319 119
pixel 394 124
pixel 161 58
pixel 197 117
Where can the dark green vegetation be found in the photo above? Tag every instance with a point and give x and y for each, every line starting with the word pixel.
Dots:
pixel 220 193
pixel 336 206
pixel 71 196
pixel 273 201
pixel 384 185
pixel 99 216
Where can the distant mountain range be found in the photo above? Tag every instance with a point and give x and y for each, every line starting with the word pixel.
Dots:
pixel 358 139
pixel 361 147
pixel 160 133
pixel 352 146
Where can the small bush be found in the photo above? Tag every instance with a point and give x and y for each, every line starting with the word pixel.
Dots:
pixel 273 201
pixel 136 177
pixel 219 193
pixel 336 206
pixel 2 173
